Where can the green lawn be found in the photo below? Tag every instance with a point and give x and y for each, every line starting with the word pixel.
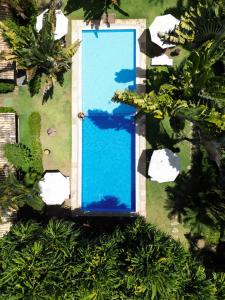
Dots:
pixel 156 192
pixel 55 113
pixel 146 9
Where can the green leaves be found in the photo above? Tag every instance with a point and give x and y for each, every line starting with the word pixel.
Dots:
pixel 200 23
pixel 59 262
pixel 46 58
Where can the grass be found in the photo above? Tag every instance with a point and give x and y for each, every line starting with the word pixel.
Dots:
pixel 146 9
pixel 55 113
pixel 157 213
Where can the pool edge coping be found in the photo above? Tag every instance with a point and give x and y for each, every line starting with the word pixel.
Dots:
pixel 76 27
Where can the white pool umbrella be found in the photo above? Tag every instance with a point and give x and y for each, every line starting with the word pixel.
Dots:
pixel 61 23
pixel 55 188
pixel 164 166
pixel 162 24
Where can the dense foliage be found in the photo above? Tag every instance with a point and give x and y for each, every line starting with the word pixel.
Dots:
pixel 28 166
pixel 192 91
pixel 14 194
pixel 39 52
pixel 6 87
pixel 202 22
pixel 25 10
pixel 19 156
pixel 27 159
pixel 16 191
pixel 60 261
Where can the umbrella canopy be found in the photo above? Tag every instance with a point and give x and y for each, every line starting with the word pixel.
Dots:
pixel 55 188
pixel 164 166
pixel 162 60
pixel 162 24
pixel 61 23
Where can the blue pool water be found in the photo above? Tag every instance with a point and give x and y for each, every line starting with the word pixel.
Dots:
pixel 108 131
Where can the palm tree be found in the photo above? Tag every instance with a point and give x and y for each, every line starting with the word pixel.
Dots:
pixel 203 22
pixel 186 93
pixel 45 58
pixel 14 194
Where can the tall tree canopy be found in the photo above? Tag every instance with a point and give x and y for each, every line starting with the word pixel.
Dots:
pixel 38 52
pixel 202 22
pixel 193 91
pixel 63 261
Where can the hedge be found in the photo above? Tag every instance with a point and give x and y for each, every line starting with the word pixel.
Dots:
pixel 7 110
pixel 34 123
pixel 6 87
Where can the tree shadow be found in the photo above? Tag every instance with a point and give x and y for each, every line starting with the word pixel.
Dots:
pixel 128 75
pixel 94 11
pixel 144 161
pixel 107 203
pixel 179 9
pixel 213 258
pixel 106 120
pixel 198 198
pixel 147 46
pixel 90 224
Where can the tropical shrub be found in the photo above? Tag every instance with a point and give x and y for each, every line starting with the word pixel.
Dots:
pixel 14 194
pixel 219 282
pixel 200 23
pixel 19 156
pixel 62 261
pixel 6 87
pixel 191 92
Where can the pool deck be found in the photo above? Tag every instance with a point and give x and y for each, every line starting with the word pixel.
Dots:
pixel 77 27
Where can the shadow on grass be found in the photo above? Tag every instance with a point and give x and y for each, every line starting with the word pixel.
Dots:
pixel 93 11
pixel 180 8
pixel 198 199
pixel 199 190
pixel 213 258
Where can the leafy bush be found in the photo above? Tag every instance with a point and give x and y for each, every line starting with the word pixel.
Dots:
pixel 7 110
pixel 14 194
pixel 6 87
pixel 137 262
pixel 19 156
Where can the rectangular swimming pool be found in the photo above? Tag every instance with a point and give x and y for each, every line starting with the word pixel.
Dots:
pixel 108 130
